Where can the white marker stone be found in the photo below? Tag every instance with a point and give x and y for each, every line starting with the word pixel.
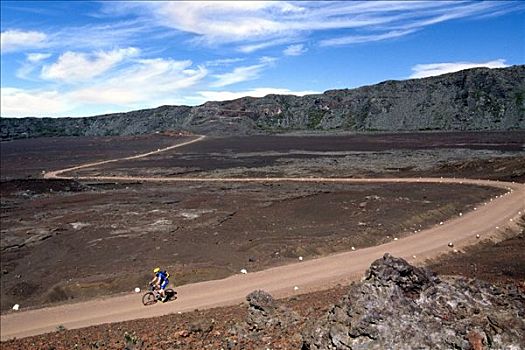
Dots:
pixel 450 244
pixel 243 271
pixel 137 290
pixel 300 258
pixel 295 288
pixel 353 248
pixel 395 238
pixel 477 236
pixel 16 307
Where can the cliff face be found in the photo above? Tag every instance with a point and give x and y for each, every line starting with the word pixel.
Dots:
pixel 475 99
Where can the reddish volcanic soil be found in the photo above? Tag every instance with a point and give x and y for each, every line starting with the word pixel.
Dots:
pixel 500 262
pixel 78 230
pixel 106 238
pixel 63 240
pixel 222 327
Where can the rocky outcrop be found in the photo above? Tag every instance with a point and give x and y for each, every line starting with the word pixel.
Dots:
pixel 474 99
pixel 264 316
pixel 264 313
pixel 399 306
pixel 262 310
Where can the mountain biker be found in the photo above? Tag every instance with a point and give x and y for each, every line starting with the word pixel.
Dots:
pixel 161 282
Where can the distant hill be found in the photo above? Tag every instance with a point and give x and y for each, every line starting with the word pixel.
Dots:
pixel 474 99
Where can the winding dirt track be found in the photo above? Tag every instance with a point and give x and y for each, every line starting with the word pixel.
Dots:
pixel 489 218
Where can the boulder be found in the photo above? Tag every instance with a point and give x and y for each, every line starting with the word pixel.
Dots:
pixel 265 313
pixel 399 306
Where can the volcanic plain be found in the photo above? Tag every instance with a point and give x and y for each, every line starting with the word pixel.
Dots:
pixel 64 240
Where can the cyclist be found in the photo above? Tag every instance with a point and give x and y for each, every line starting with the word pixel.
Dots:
pixel 161 282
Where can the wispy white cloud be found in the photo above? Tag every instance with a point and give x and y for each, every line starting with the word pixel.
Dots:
pixel 143 83
pixel 14 40
pixel 356 39
pixel 239 74
pixel 432 69
pixel 37 57
pixel 249 48
pixel 255 25
pixel 268 60
pixel 88 37
pixel 76 66
pixel 147 81
pixel 32 62
pixel 25 70
pixel 223 61
pixel 104 36
pixel 243 73
pixel 213 21
pixel 257 92
pixel 295 50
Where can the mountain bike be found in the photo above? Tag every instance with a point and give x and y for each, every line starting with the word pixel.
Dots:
pixel 153 295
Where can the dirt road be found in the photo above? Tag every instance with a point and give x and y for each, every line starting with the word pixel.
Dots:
pixel 486 220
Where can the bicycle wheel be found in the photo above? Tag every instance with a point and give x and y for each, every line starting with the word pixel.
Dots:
pixel 149 299
pixel 171 294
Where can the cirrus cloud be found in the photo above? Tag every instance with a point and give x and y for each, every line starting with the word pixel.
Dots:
pixel 144 83
pixel 432 69
pixel 37 57
pixel 76 66
pixel 243 73
pixel 295 50
pixel 255 25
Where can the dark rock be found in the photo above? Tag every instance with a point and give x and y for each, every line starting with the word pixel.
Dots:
pixel 261 310
pixel 399 306
pixel 261 300
pixel 264 313
pixel 410 279
pixel 32 187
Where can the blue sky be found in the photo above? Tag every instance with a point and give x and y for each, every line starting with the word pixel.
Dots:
pixel 77 58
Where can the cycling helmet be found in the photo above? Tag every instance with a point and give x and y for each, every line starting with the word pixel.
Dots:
pixel 157 269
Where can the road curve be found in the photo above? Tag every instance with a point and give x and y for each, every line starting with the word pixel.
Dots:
pixel 486 220
pixel 56 174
